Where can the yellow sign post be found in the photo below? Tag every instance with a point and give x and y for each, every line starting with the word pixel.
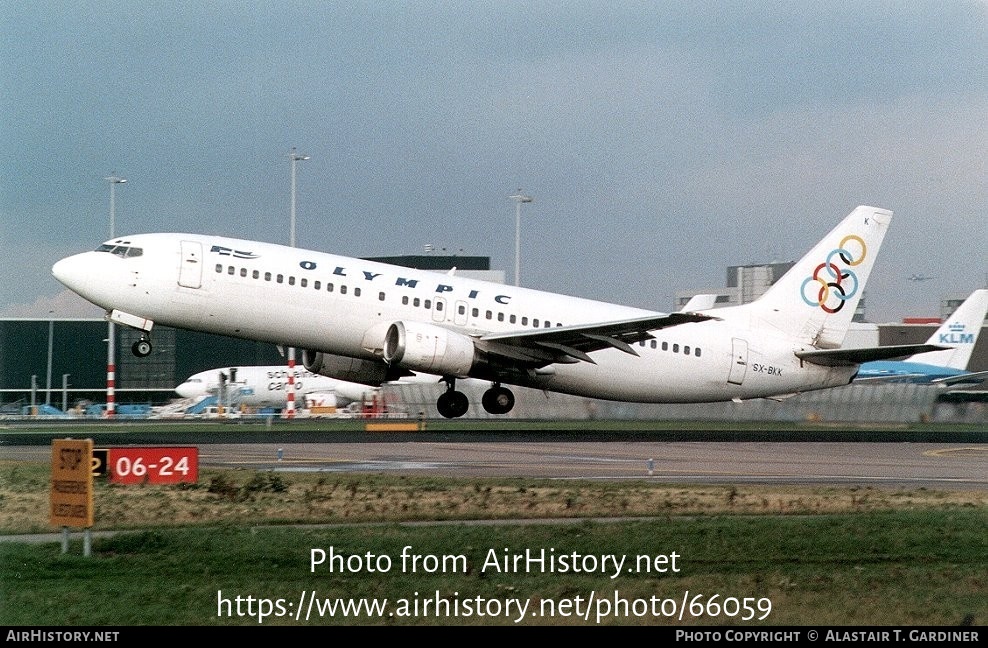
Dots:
pixel 72 487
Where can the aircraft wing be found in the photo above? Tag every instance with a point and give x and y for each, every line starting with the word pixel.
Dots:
pixel 973 377
pixel 891 378
pixel 569 344
pixel 850 357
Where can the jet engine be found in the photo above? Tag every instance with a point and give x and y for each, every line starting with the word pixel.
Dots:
pixel 429 348
pixel 367 372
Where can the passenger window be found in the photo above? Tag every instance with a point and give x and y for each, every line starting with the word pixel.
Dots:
pixel 665 346
pixel 356 292
pixel 342 290
pixel 675 348
pixel 267 276
pixel 380 296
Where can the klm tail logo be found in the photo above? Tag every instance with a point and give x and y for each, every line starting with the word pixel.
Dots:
pixel 956 335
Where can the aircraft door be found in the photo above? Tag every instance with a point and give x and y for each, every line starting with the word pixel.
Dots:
pixel 190 272
pixel 739 361
pixel 460 314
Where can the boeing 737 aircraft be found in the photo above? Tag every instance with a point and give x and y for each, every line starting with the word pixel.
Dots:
pixel 949 366
pixel 267 386
pixel 370 322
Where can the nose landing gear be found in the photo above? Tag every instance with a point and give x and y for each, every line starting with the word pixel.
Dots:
pixel 142 348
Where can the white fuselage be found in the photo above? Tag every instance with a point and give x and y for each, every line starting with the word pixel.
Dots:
pixel 344 306
pixel 269 386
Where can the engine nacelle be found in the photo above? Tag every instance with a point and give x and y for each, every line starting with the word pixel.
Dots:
pixel 367 372
pixel 429 348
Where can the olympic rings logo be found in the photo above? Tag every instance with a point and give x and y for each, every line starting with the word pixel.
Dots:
pixel 829 290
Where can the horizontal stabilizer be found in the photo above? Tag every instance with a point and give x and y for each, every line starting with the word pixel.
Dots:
pixel 973 377
pixel 851 357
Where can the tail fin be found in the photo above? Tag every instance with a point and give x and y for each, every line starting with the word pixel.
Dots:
pixel 816 299
pixel 960 331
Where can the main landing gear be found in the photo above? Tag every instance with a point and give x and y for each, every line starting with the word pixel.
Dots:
pixel 142 348
pixel 454 404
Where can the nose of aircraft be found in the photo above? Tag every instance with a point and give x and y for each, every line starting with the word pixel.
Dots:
pixel 187 390
pixel 69 270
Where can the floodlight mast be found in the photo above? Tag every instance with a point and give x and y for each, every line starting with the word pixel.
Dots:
pixel 111 349
pixel 295 158
pixel 519 198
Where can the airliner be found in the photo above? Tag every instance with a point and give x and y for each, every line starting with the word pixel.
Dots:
pixel 268 386
pixel 370 322
pixel 949 366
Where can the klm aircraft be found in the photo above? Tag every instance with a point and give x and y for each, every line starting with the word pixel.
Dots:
pixel 949 366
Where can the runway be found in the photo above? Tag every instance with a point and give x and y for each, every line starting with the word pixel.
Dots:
pixel 899 465
pixel 697 454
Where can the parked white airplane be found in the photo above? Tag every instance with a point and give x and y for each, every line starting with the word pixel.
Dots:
pixel 267 386
pixel 370 322
pixel 958 335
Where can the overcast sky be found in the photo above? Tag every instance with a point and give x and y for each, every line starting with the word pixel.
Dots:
pixel 661 141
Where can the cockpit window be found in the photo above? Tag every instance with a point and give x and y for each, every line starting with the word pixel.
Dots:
pixel 122 251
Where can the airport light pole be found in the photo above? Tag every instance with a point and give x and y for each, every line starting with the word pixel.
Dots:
pixel 114 181
pixel 111 349
pixel 295 158
pixel 519 198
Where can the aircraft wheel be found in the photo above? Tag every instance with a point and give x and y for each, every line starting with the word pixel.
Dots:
pixel 141 348
pixel 498 400
pixel 453 404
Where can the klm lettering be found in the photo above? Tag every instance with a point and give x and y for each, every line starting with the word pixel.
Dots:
pixel 957 338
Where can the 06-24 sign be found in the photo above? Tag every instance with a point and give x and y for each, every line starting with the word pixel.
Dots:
pixel 172 465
